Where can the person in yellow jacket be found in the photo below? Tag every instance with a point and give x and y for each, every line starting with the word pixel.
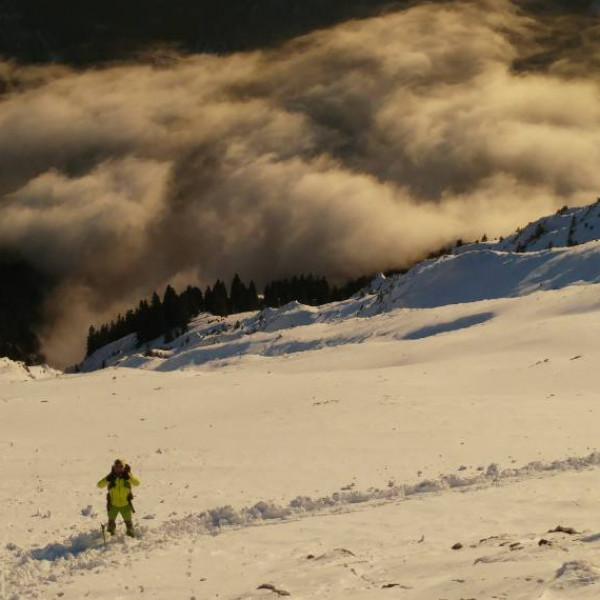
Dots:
pixel 119 497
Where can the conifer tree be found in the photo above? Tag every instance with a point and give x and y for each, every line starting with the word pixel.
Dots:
pixel 252 301
pixel 220 300
pixel 192 302
pixel 175 317
pixel 237 295
pixel 91 341
pixel 209 300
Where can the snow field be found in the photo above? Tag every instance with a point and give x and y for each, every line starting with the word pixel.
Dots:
pixel 378 418
pixel 377 550
pixel 334 452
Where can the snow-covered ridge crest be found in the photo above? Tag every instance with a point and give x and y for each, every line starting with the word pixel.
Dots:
pixel 567 227
pixel 551 253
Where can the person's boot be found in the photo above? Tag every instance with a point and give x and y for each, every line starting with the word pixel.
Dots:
pixel 112 527
pixel 130 532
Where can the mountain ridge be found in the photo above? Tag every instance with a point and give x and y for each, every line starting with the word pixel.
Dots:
pixel 551 253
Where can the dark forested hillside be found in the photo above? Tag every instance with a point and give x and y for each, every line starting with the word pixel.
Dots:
pixel 85 32
pixel 80 31
pixel 23 290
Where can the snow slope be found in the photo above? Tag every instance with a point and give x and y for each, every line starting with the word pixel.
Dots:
pixel 11 370
pixel 473 273
pixel 334 452
pixel 568 227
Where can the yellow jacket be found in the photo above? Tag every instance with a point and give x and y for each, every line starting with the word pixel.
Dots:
pixel 119 488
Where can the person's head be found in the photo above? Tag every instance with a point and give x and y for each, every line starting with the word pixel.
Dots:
pixel 118 466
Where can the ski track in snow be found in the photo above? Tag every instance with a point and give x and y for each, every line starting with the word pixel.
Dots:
pixel 30 570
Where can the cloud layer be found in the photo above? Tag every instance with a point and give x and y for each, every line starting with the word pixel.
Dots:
pixel 344 152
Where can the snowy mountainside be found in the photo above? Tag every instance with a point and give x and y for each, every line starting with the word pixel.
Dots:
pixel 549 254
pixel 435 436
pixel 567 227
pixel 11 370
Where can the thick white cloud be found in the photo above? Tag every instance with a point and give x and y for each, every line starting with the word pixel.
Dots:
pixel 344 152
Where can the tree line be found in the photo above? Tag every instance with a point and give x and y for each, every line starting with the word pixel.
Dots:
pixel 170 315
